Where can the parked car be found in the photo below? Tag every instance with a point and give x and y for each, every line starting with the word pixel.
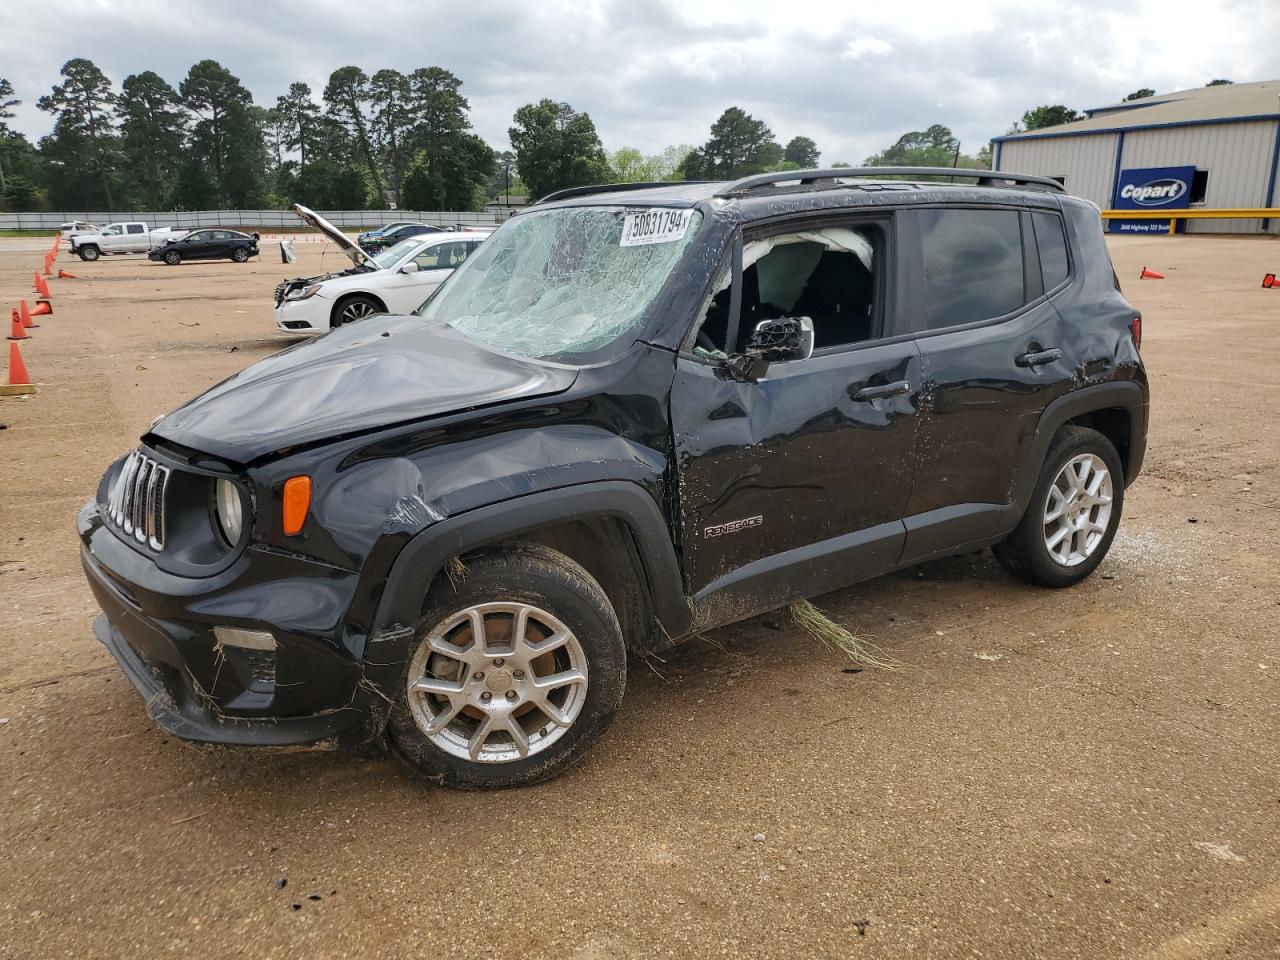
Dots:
pixel 70 229
pixel 125 237
pixel 389 236
pixel 396 280
pixel 634 414
pixel 207 245
pixel 362 238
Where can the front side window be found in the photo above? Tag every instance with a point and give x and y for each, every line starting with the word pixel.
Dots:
pixel 972 265
pixel 560 283
pixel 200 235
pixel 111 231
pixel 827 274
pixel 442 256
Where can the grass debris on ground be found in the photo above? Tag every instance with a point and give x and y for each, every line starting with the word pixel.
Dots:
pixel 859 649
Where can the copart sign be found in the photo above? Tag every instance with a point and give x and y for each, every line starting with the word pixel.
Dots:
pixel 1151 188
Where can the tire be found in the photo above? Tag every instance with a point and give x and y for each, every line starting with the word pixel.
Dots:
pixel 172 257
pixel 89 254
pixel 239 254
pixel 559 599
pixel 350 309
pixel 1061 550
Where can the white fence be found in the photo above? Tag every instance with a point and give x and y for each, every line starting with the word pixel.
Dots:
pixel 256 219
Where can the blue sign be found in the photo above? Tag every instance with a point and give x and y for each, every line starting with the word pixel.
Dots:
pixel 1151 188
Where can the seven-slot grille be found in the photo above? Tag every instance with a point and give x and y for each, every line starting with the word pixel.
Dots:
pixel 137 500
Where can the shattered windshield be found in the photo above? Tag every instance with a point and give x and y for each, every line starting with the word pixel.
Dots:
pixel 562 282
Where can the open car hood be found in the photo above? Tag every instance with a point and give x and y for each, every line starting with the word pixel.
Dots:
pixel 314 220
pixel 377 373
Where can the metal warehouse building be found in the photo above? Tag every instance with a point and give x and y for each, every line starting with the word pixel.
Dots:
pixel 1214 147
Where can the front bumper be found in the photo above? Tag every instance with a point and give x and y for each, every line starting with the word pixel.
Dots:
pixel 310 690
pixel 304 316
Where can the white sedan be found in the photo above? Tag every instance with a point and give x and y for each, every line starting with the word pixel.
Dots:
pixel 397 280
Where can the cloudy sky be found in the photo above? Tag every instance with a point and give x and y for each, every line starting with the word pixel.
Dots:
pixel 654 72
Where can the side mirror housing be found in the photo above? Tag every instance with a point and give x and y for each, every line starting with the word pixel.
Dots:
pixel 773 341
pixel 409 267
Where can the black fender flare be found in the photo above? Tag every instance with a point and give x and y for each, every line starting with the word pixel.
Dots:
pixel 422 558
pixel 1128 395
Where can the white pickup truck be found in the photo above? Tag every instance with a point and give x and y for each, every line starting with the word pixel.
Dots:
pixel 125 237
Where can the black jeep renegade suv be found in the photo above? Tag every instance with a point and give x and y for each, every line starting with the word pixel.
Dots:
pixel 635 413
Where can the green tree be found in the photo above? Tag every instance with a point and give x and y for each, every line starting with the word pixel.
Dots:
pixel 629 165
pixel 347 95
pixel 453 178
pixel 226 137
pixel 1048 116
pixel 390 96
pixel 739 146
pixel 7 102
pixel 934 147
pixel 20 194
pixel 195 189
pixel 152 134
pixel 299 120
pixel 556 147
pixel 1140 94
pixel 1219 83
pixel 803 152
pixel 83 104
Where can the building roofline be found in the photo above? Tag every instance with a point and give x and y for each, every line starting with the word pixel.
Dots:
pixel 1037 135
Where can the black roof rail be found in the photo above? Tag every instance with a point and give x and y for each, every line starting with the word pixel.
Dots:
pixel 568 192
pixel 809 177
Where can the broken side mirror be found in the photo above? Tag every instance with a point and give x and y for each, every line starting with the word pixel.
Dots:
pixel 773 341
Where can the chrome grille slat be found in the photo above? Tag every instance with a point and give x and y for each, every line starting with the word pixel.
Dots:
pixel 136 503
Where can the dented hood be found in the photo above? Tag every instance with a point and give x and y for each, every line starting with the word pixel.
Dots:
pixel 377 373
pixel 313 219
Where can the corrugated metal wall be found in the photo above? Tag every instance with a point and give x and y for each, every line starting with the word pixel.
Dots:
pixel 1237 155
pixel 1088 163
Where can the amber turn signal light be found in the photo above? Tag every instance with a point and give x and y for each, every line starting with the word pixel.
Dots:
pixel 297 501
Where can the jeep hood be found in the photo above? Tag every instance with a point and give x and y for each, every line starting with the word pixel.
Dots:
pixel 313 219
pixel 366 376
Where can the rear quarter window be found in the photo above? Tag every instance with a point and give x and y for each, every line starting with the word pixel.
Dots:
pixel 1051 241
pixel 972 265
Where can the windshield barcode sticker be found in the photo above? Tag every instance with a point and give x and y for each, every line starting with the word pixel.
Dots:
pixel 654 226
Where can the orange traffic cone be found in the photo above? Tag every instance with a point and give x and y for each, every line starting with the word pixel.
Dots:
pixel 1148 274
pixel 26 316
pixel 48 265
pixel 63 275
pixel 16 331
pixel 1269 282
pixel 19 379
pixel 42 288
pixel 43 308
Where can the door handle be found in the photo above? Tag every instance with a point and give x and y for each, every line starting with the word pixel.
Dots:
pixel 1038 357
pixel 883 392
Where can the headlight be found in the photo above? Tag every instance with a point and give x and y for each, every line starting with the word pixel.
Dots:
pixel 302 293
pixel 229 508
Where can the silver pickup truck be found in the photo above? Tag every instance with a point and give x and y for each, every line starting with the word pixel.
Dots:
pixel 124 237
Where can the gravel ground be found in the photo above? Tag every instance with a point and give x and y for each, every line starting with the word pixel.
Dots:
pixel 1085 773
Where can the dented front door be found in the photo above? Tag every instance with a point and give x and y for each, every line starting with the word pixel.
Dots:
pixel 816 458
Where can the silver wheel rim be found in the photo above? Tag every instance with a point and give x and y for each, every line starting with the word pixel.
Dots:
pixel 357 310
pixel 171 258
pixel 240 256
pixel 91 254
pixel 1077 510
pixel 497 682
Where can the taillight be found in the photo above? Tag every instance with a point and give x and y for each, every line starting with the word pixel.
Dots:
pixel 1135 327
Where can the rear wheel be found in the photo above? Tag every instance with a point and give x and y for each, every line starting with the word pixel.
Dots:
pixel 516 672
pixel 172 257
pixel 89 253
pixel 352 309
pixel 239 254
pixel 1073 515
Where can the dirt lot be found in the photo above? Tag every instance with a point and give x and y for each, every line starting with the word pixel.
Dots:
pixel 1090 773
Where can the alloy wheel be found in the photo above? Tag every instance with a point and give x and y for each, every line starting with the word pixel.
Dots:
pixel 497 682
pixel 356 310
pixel 1077 509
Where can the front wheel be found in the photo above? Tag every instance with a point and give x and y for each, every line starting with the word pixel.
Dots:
pixel 172 257
pixel 1073 515
pixel 518 668
pixel 89 253
pixel 352 309
pixel 239 254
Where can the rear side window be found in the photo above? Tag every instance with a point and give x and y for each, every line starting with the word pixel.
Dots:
pixel 1052 244
pixel 135 228
pixel 972 265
